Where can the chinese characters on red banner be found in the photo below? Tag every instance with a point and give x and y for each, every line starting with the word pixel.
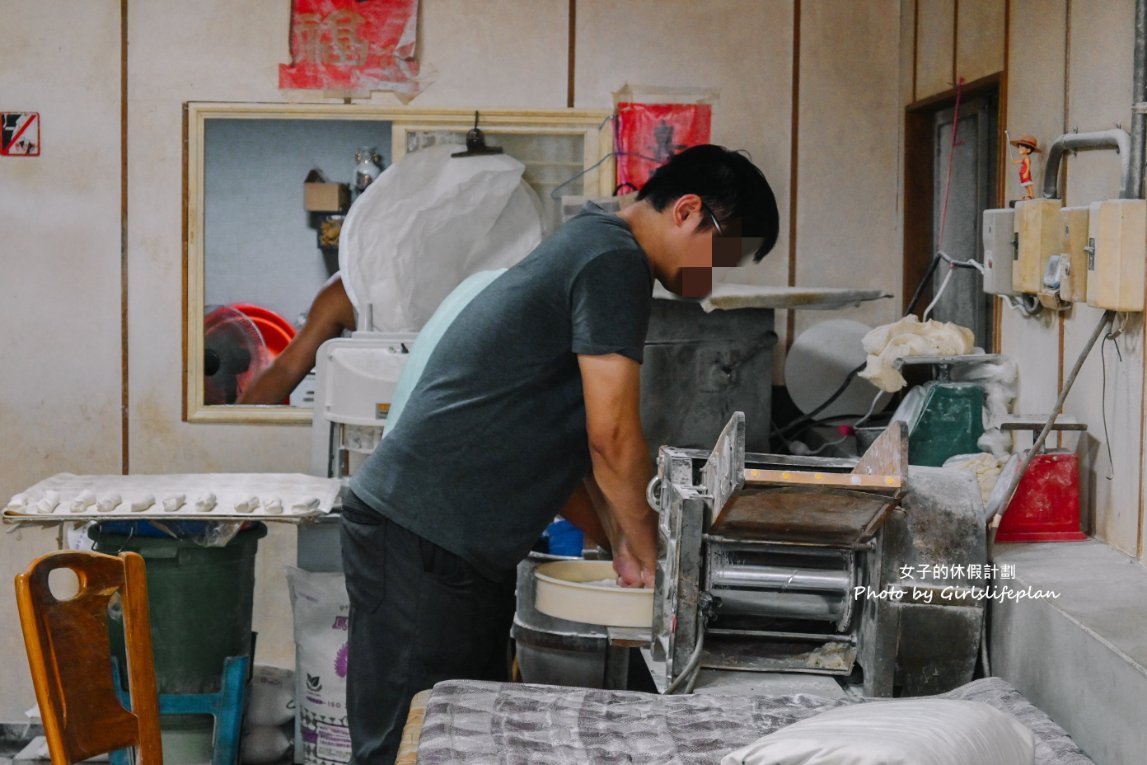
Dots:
pixel 649 134
pixel 353 45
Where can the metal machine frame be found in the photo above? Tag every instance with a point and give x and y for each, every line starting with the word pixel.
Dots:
pixel 771 563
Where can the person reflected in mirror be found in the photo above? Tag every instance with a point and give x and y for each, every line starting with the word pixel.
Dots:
pixel 528 406
pixel 330 315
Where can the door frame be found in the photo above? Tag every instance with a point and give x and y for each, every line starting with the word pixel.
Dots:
pixel 919 177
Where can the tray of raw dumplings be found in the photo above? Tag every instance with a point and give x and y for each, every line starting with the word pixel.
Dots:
pixel 288 497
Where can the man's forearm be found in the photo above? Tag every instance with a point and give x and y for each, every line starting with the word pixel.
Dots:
pixel 621 469
pixel 621 472
pixel 271 387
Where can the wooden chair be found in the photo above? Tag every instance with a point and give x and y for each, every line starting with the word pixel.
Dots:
pixel 412 731
pixel 69 654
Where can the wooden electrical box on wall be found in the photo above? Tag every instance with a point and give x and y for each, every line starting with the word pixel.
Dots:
pixel 1038 232
pixel 999 229
pixel 1074 222
pixel 1117 251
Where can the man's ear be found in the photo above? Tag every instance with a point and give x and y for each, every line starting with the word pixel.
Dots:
pixel 684 206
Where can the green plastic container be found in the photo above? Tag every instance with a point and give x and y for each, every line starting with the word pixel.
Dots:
pixel 200 600
pixel 950 422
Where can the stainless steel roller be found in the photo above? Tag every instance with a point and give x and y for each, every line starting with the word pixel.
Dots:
pixel 780 578
pixel 790 605
pixel 781 582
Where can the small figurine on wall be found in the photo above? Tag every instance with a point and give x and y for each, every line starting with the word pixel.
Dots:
pixel 1026 144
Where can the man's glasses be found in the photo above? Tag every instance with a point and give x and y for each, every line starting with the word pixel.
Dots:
pixel 730 248
pixel 713 218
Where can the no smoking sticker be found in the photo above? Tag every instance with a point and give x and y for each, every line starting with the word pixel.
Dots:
pixel 19 134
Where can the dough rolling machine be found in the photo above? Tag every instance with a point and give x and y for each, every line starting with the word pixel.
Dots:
pixel 812 565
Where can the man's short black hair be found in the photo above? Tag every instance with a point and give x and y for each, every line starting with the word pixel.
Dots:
pixel 729 184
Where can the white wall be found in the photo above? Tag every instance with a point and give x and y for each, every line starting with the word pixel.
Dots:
pixel 848 208
pixel 60 260
pixel 60 215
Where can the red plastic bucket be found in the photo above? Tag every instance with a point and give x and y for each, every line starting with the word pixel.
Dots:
pixel 277 332
pixel 1045 507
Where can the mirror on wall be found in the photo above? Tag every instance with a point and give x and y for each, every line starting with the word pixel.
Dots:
pixel 267 187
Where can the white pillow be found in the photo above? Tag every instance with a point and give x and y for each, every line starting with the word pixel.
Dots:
pixel 903 732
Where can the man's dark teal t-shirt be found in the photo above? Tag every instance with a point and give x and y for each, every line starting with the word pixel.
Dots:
pixel 492 441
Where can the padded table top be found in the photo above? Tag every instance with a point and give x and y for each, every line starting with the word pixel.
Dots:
pixel 474 721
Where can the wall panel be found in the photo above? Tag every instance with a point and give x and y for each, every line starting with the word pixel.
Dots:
pixel 60 313
pixel 499 53
pixel 1099 97
pixel 850 122
pixel 1036 80
pixel 907 52
pixel 1100 51
pixel 979 38
pixel 935 46
pixel 1110 483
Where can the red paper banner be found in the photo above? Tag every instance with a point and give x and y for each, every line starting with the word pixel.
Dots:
pixel 352 45
pixel 649 134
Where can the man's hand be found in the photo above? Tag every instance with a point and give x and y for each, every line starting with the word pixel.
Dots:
pixel 630 572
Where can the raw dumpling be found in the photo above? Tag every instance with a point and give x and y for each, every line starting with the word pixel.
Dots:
pixel 143 503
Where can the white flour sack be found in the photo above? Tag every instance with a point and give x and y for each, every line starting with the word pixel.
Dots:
pixel 263 745
pixel 270 697
pixel 321 610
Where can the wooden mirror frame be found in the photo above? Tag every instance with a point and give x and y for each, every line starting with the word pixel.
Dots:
pixel 592 125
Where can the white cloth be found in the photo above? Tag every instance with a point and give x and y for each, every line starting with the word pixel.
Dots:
pixel 910 337
pixel 902 732
pixel 1000 382
pixel 425 224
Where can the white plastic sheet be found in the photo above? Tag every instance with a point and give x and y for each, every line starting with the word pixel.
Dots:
pixel 428 222
pixel 903 732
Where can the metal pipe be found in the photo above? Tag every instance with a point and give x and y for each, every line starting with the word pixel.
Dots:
pixel 1139 99
pixel 1116 138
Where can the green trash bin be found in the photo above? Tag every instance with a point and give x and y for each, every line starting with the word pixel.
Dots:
pixel 200 600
